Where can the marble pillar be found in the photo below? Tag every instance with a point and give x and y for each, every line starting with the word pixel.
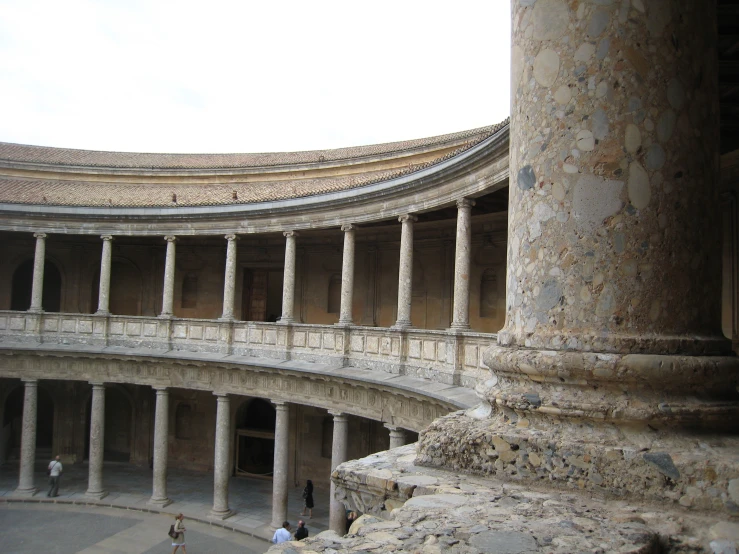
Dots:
pixel 26 484
pixel 397 436
pixel 347 276
pixel 461 306
pixel 280 469
pixel 288 286
pixel 405 271
pixel 97 443
pixel 169 267
pixel 37 287
pixel 612 357
pixel 221 463
pixel 161 449
pixel 105 263
pixel 337 511
pixel 229 281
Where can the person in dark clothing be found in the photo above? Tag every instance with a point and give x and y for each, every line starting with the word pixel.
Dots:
pixel 302 532
pixel 308 499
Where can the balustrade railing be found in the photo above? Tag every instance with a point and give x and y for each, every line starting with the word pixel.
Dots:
pixel 448 357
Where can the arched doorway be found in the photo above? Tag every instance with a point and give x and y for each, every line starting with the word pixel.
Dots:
pixel 255 438
pixel 13 424
pixel 118 427
pixel 51 298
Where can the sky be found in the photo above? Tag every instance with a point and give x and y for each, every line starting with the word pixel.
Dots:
pixel 249 76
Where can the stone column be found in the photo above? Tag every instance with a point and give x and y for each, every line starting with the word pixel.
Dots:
pixel 337 512
pixel 229 282
pixel 612 354
pixel 280 469
pixel 288 286
pixel 168 292
pixel 397 436
pixel 105 261
pixel 97 442
pixel 347 276
pixel 405 272
pixel 221 460
pixel 26 484
pixel 461 316
pixel 161 449
pixel 39 259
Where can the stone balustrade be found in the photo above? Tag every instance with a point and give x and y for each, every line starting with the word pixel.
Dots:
pixel 448 357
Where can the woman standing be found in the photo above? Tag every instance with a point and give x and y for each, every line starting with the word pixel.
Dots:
pixel 308 499
pixel 179 538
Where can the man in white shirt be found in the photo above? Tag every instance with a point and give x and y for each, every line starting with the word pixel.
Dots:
pixel 282 534
pixel 55 473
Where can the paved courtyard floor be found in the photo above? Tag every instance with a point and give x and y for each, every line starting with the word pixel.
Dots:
pixel 129 489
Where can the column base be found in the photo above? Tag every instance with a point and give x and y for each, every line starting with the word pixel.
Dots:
pixel 35 310
pixel 221 514
pixel 102 313
pixel 344 323
pixel 402 324
pixel 286 320
pixel 227 319
pixel 165 316
pixel 25 492
pixel 459 327
pixel 98 495
pixel 159 502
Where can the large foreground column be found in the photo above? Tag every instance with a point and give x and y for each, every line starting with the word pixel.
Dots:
pixel 37 287
pixel 279 481
pixel 97 442
pixel 26 484
pixel 405 271
pixel 105 263
pixel 229 281
pixel 337 512
pixel 161 447
pixel 461 307
pixel 288 283
pixel 169 265
pixel 347 276
pixel 220 464
pixel 612 361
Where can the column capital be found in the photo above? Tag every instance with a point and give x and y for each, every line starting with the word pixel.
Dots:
pixel 40 235
pixel 221 395
pixel 170 238
pixel 407 217
pixel 161 390
pixel 391 427
pixel 338 416
pixel 280 404
pixel 465 203
pixel 30 382
pixel 348 227
pixel 231 237
pixel 97 384
pixel 106 237
pixel 290 233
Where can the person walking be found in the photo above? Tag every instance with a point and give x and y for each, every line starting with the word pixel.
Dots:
pixel 55 474
pixel 282 534
pixel 302 532
pixel 179 538
pixel 308 499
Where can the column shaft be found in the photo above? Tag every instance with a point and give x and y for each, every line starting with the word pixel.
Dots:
pixel 97 442
pixel 288 286
pixel 221 458
pixel 405 271
pixel 461 317
pixel 337 511
pixel 229 281
pixel 397 436
pixel 39 258
pixel 347 276
pixel 28 438
pixel 105 262
pixel 169 267
pixel 161 449
pixel 280 469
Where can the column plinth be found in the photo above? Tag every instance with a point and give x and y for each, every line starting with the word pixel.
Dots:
pixel 339 444
pixel 611 369
pixel 26 486
pixel 220 508
pixel 405 272
pixel 37 287
pixel 161 447
pixel 347 276
pixel 105 263
pixel 280 468
pixel 97 443
pixel 288 283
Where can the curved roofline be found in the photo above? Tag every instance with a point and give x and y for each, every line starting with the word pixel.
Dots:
pixel 47 156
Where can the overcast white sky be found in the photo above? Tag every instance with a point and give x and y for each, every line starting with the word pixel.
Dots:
pixel 249 76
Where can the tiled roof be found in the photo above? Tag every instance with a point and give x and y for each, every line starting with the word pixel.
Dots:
pixel 94 158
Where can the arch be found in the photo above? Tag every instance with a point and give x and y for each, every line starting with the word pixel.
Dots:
pixel 255 438
pixel 22 282
pixel 13 417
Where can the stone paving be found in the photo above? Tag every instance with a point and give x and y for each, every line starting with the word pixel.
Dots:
pixel 129 487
